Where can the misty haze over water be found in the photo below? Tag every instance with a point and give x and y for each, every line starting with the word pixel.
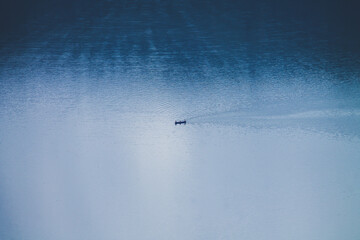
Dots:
pixel 90 90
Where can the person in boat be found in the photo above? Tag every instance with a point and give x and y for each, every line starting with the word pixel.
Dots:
pixel 180 122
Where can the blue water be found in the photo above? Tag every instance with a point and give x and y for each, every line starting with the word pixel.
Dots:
pixel 89 92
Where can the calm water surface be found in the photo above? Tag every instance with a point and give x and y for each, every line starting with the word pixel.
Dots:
pixel 89 92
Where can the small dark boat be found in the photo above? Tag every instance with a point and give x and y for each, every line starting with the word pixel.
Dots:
pixel 180 122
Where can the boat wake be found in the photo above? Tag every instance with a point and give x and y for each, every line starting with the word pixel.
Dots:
pixel 334 121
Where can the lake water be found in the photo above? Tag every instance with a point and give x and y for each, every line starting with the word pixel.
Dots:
pixel 89 92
